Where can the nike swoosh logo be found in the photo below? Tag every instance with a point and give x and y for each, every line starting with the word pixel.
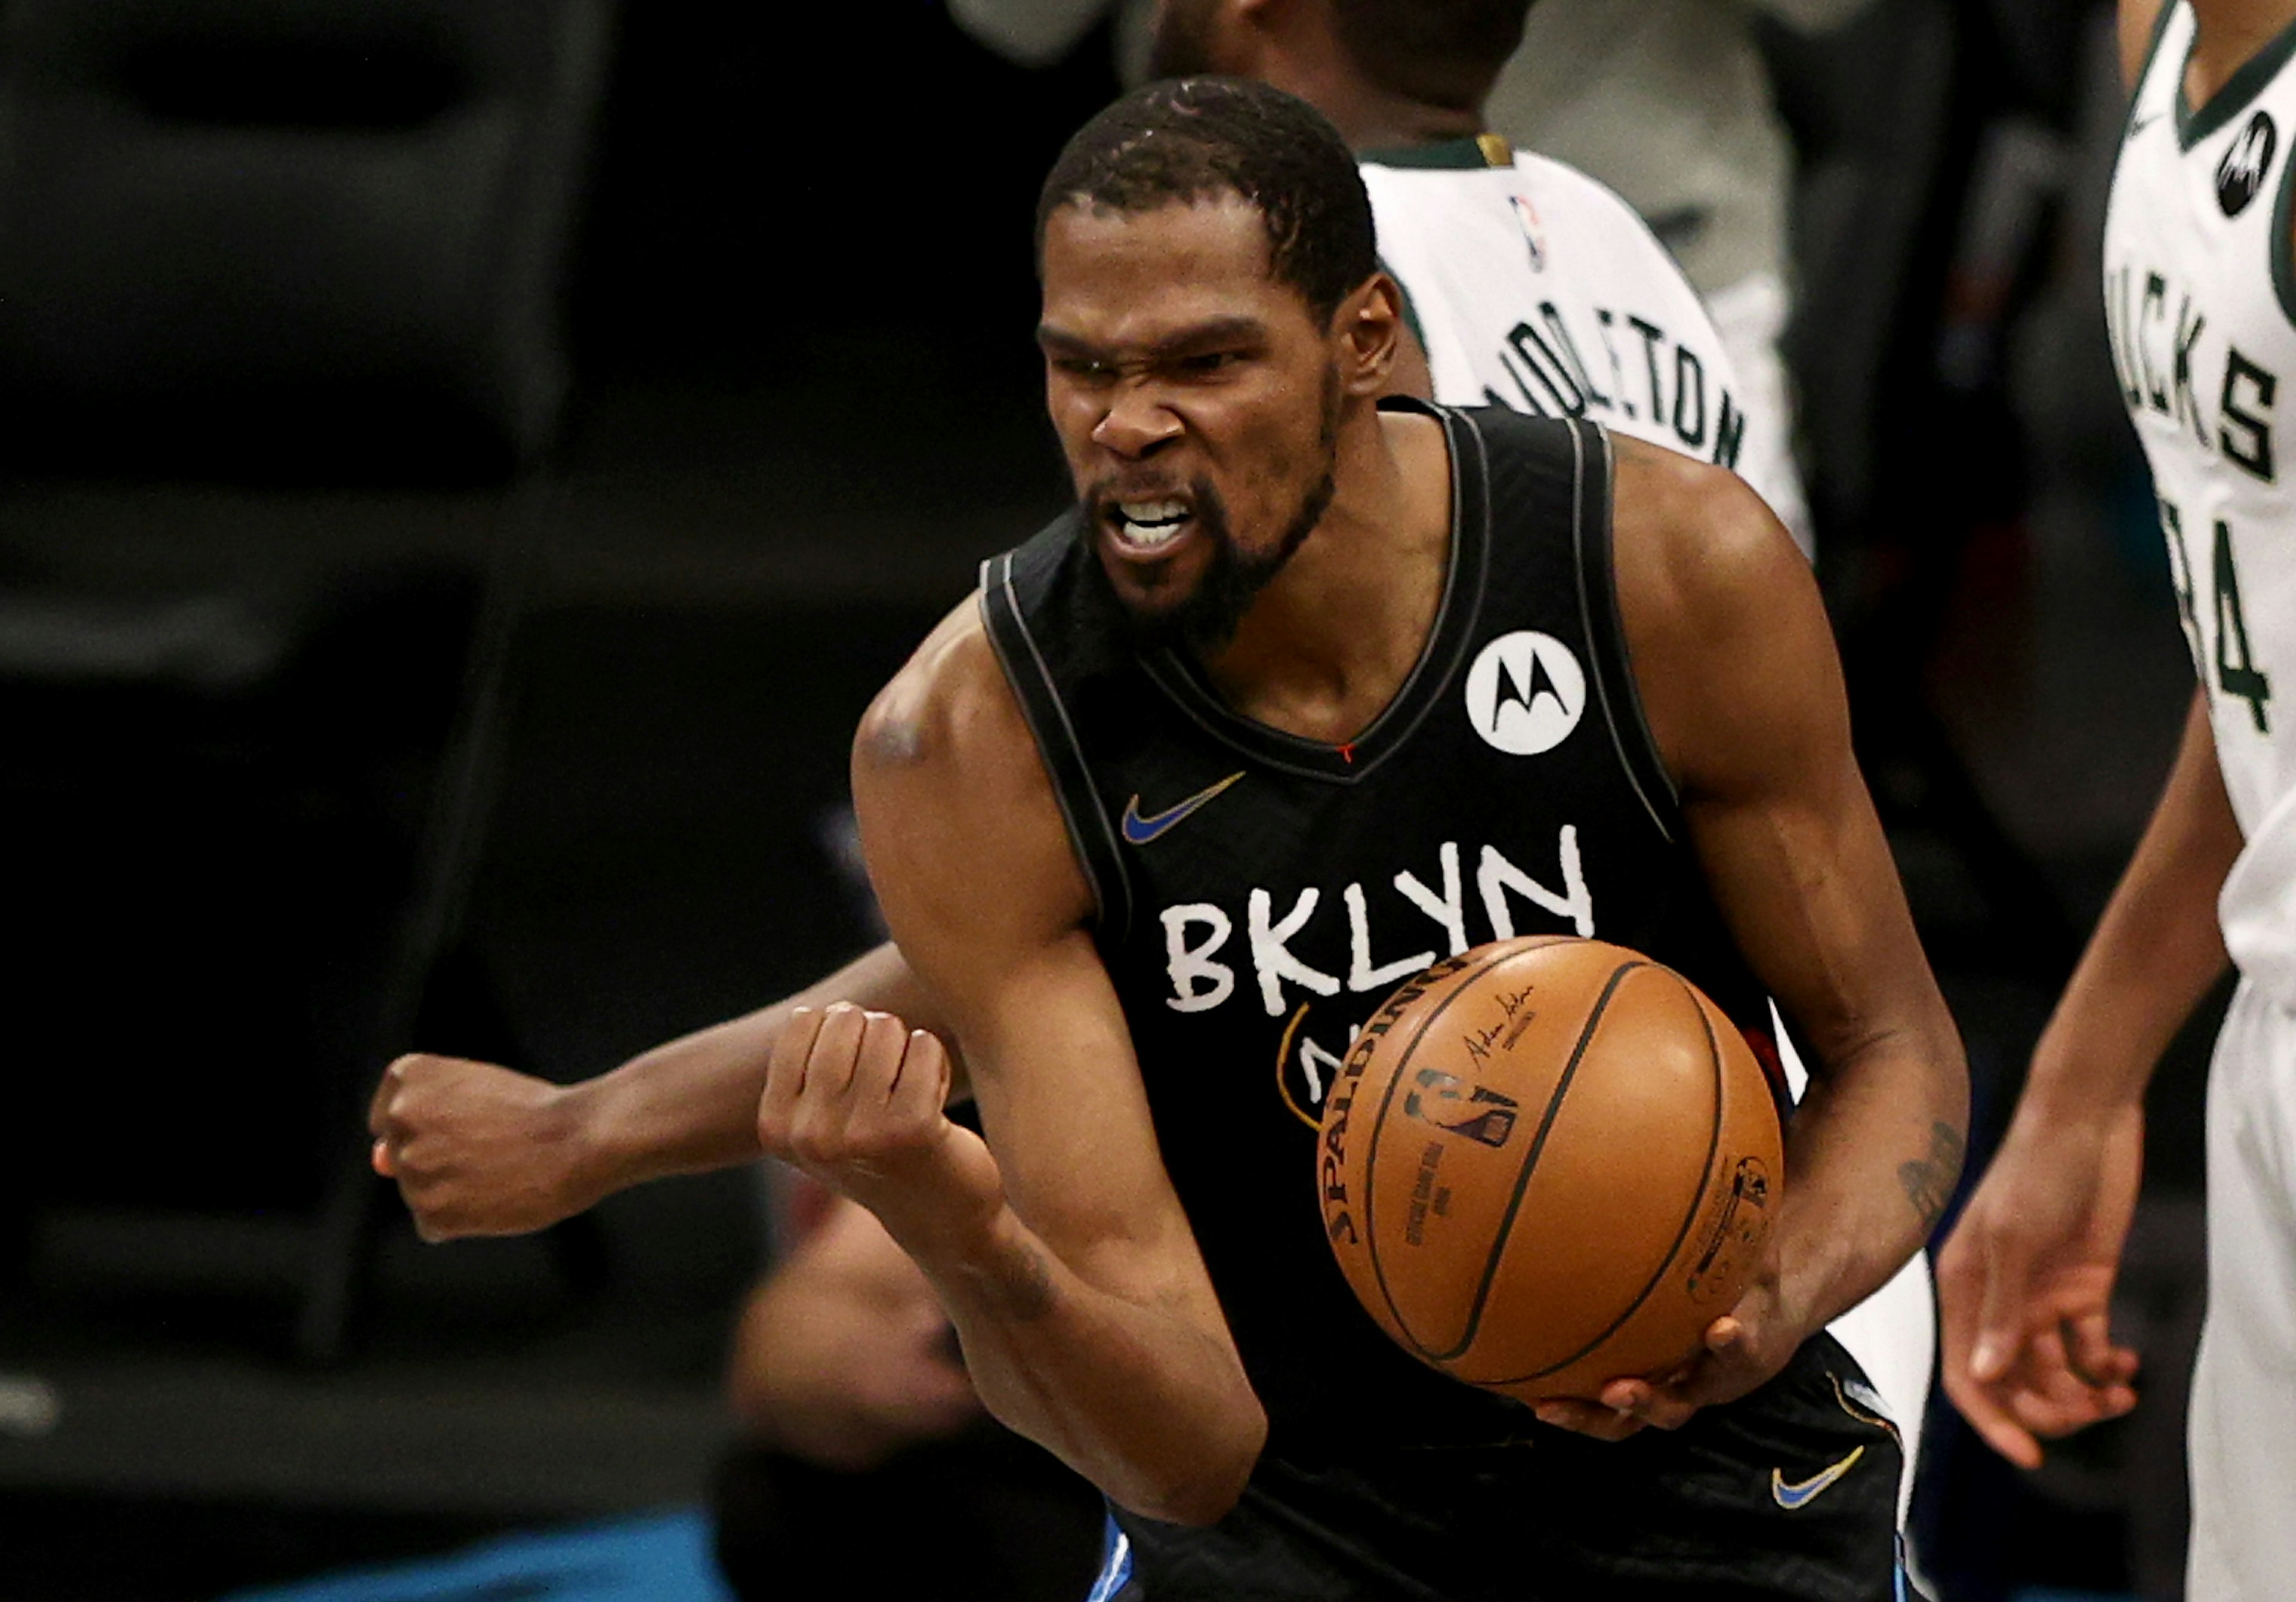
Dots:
pixel 1140 831
pixel 1800 1495
pixel 2139 124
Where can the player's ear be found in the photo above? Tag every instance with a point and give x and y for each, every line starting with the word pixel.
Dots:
pixel 1369 330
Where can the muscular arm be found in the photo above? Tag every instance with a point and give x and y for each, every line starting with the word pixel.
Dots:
pixel 1082 1304
pixel 2133 23
pixel 2155 952
pixel 481 1149
pixel 2025 1284
pixel 1738 677
pixel 692 1104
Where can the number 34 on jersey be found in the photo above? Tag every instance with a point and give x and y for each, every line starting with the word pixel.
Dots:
pixel 2219 638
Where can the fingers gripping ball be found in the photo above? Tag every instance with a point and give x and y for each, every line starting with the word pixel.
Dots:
pixel 1549 1164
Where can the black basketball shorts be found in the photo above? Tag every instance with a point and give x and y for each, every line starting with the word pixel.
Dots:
pixel 1787 1495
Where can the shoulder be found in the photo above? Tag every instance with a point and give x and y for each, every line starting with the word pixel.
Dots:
pixel 947 709
pixel 1693 544
pixel 2139 23
pixel 1721 613
pixel 952 789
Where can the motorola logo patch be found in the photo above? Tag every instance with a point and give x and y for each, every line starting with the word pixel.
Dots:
pixel 1526 692
pixel 2240 176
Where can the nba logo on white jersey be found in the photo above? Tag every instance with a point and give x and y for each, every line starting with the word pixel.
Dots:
pixel 1533 235
pixel 1526 692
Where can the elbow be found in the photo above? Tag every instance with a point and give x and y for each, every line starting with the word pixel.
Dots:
pixel 1206 1489
pixel 1200 1501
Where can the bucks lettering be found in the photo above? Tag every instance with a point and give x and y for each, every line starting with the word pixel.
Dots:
pixel 2155 327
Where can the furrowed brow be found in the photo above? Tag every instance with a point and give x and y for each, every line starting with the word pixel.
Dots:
pixel 1209 334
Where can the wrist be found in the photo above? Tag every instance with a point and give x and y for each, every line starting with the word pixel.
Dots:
pixel 2077 1087
pixel 582 1121
pixel 947 1205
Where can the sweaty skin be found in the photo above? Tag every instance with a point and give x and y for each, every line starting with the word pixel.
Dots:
pixel 1071 1275
pixel 479 1149
pixel 2025 1281
pixel 1057 1245
pixel 1735 667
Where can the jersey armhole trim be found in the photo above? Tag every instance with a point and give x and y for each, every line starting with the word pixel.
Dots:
pixel 2237 93
pixel 1047 718
pixel 1593 519
pixel 2161 20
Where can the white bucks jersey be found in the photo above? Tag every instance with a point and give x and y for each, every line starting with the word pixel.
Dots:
pixel 2200 306
pixel 1534 287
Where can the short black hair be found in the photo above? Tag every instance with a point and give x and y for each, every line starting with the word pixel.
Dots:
pixel 1194 139
pixel 1443 53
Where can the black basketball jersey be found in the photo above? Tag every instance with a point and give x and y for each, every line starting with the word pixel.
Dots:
pixel 1260 893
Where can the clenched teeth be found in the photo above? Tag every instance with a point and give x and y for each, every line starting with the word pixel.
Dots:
pixel 1152 513
pixel 1146 525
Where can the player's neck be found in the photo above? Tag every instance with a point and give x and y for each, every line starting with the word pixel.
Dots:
pixel 2226 33
pixel 1393 124
pixel 1367 116
pixel 1327 645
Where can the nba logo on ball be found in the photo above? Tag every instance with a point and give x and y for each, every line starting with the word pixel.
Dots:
pixel 1526 692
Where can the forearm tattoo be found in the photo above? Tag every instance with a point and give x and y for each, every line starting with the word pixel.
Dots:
pixel 1928 1181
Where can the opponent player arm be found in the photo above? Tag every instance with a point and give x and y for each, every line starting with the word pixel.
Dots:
pixel 1085 1315
pixel 481 1149
pixel 1742 690
pixel 2025 1283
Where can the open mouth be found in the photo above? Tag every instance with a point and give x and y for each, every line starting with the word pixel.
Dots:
pixel 1148 528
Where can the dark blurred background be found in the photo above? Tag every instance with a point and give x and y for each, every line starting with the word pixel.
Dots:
pixel 463 468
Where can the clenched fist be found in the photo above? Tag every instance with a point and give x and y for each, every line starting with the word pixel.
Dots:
pixel 854 1099
pixel 478 1149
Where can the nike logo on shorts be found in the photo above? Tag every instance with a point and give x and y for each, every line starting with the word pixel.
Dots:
pixel 1140 831
pixel 1803 1492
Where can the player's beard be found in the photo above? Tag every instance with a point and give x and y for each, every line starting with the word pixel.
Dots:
pixel 1206 617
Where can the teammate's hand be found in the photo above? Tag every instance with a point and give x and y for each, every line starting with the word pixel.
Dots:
pixel 854 1099
pixel 477 1150
pixel 1742 1350
pixel 2025 1284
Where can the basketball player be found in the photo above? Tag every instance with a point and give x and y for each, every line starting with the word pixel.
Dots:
pixel 1376 685
pixel 2199 299
pixel 1513 252
pixel 1533 287
pixel 1530 285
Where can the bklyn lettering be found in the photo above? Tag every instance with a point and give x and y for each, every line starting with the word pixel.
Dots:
pixel 1204 969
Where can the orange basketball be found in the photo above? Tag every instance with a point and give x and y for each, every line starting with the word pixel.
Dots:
pixel 1549 1164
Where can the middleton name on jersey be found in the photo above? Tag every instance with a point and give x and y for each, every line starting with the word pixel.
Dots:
pixel 1534 288
pixel 1655 377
